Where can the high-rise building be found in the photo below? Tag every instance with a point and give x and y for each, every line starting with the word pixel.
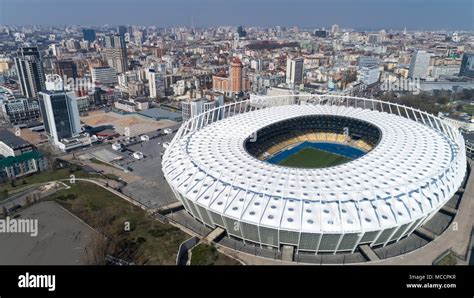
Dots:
pixel 467 65
pixel 335 29
pixel 60 114
pixel 373 38
pixel 116 52
pixel 236 76
pixel 294 71
pixel 156 84
pixel 66 68
pixel 88 34
pixel 30 71
pixel 241 31
pixel 121 30
pixel 321 33
pixel 419 65
pixel 369 75
pixel 104 75
pixel 235 83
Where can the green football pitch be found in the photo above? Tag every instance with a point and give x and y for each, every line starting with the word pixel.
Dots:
pixel 313 158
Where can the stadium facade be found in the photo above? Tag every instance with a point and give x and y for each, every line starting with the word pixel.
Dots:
pixel 217 165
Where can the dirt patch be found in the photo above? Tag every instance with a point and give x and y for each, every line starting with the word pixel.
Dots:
pixel 136 123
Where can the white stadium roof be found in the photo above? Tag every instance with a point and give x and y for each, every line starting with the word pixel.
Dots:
pixel 393 184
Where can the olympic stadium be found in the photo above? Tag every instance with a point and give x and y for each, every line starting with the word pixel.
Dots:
pixel 323 174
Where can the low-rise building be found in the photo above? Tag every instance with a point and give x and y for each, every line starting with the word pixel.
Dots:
pixel 132 105
pixel 126 106
pixel 195 107
pixel 12 145
pixel 15 167
pixel 104 75
pixel 20 111
pixel 18 157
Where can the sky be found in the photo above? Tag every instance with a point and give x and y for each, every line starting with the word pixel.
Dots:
pixel 356 14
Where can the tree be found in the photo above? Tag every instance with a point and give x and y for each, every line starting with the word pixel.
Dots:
pixel 97 249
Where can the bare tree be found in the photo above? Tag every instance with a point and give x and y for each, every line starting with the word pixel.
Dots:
pixel 97 249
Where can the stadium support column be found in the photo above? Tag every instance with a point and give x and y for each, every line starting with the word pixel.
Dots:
pixel 357 242
pixel 338 244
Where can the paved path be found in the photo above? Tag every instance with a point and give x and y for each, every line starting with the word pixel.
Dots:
pixel 36 191
pixel 171 207
pixel 424 233
pixel 369 253
pixel 216 233
pixel 449 210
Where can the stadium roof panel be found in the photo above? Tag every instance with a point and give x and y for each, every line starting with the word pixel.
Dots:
pixel 379 190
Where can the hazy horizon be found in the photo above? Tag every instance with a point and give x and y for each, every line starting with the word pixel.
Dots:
pixel 361 14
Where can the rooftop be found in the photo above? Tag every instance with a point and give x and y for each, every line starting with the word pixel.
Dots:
pixel 11 160
pixel 11 140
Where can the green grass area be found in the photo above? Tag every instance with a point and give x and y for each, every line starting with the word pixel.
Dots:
pixel 313 158
pixel 7 189
pixel 468 109
pixel 205 254
pixel 147 242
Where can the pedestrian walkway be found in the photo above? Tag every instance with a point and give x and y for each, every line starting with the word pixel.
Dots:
pixel 367 251
pixel 215 234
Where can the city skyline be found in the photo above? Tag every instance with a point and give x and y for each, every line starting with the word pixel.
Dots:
pixel 414 15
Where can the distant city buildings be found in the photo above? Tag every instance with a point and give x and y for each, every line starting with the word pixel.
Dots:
pixel 89 35
pixel 66 68
pixel 241 31
pixel 294 71
pixel 20 111
pixel 369 75
pixel 320 33
pixel 195 107
pixel 467 65
pixel 136 89
pixel 441 71
pixel 335 29
pixel 156 84
pixel 367 61
pixel 30 71
pixel 121 30
pixel 138 65
pixel 233 84
pixel 419 65
pixel 116 52
pixel 132 105
pixel 104 75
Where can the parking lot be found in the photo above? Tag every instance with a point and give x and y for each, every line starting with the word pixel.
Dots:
pixel 149 187
pixel 62 238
